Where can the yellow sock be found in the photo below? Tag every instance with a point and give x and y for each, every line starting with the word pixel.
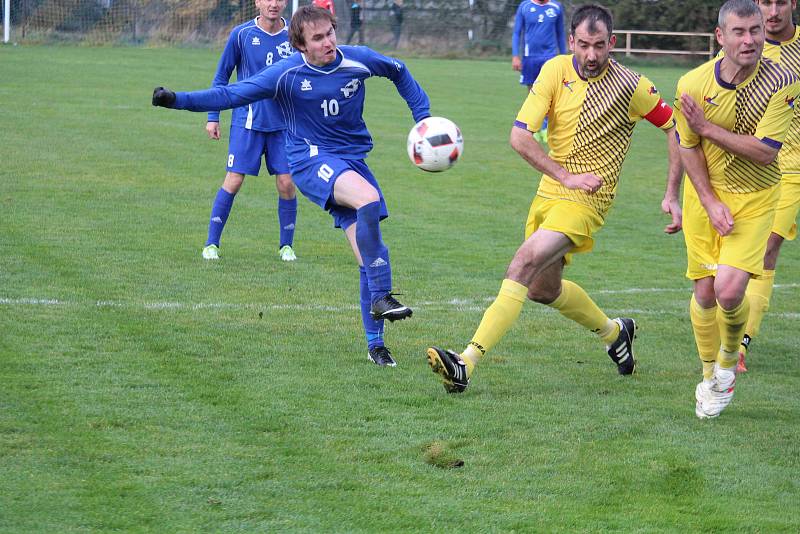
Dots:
pixel 759 291
pixel 731 331
pixel 497 319
pixel 574 303
pixel 706 335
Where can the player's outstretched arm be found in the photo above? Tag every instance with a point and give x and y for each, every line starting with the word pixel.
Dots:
pixel 671 204
pixel 745 146
pixel 163 97
pixel 531 151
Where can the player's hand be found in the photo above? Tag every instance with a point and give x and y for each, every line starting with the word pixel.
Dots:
pixel 587 182
pixel 163 97
pixel 672 207
pixel 516 63
pixel 212 129
pixel 695 117
pixel 720 217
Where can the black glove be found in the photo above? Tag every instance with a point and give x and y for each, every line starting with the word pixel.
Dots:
pixel 163 97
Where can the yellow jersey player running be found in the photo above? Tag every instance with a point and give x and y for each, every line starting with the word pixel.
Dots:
pixel 593 104
pixel 732 114
pixel 783 46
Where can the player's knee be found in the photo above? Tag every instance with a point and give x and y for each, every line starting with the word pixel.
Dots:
pixel 285 185
pixel 233 182
pixel 729 296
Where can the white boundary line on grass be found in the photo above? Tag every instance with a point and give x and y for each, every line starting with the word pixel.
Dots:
pixel 460 304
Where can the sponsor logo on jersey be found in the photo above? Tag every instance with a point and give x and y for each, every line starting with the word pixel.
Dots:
pixel 567 84
pixel 351 88
pixel 256 41
pixel 398 66
pixel 305 85
pixel 284 49
pixel 790 102
pixel 710 100
pixel 652 90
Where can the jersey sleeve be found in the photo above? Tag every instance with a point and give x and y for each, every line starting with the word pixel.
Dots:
pixel 257 87
pixel 686 136
pixel 519 23
pixel 560 33
pixel 774 124
pixel 228 61
pixel 648 104
pixel 543 91
pixel 394 69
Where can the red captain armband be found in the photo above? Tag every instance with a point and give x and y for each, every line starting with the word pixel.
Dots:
pixel 660 114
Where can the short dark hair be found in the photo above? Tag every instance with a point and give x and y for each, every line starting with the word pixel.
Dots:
pixel 740 8
pixel 305 15
pixel 593 13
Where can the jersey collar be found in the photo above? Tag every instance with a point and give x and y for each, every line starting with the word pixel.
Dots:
pixel 792 39
pixel 283 29
pixel 330 67
pixel 726 85
pixel 578 72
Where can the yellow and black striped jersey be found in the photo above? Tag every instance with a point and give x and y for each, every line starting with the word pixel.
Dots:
pixel 787 53
pixel 761 106
pixel 591 122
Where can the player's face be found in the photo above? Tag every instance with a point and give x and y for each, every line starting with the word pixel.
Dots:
pixel 271 9
pixel 742 38
pixel 320 42
pixel 591 49
pixel 778 17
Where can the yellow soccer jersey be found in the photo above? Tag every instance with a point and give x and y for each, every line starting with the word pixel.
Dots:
pixel 590 123
pixel 787 53
pixel 762 106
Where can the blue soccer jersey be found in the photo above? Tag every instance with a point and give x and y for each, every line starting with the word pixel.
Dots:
pixel 249 49
pixel 539 30
pixel 323 106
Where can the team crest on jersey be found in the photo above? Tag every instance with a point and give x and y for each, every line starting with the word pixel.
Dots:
pixel 550 12
pixel 652 90
pixel 351 88
pixel 567 84
pixel 284 49
pixel 305 85
pixel 790 102
pixel 710 100
pixel 256 41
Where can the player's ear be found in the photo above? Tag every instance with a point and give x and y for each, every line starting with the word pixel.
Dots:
pixel 612 41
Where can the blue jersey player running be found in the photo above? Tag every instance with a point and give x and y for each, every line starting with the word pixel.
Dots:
pixel 321 93
pixel 257 129
pixel 538 36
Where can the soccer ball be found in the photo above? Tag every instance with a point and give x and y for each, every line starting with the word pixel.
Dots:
pixel 435 144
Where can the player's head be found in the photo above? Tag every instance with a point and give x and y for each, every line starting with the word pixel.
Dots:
pixel 313 32
pixel 591 38
pixel 740 32
pixel 778 17
pixel 271 9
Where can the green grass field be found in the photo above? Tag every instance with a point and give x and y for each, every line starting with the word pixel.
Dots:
pixel 143 389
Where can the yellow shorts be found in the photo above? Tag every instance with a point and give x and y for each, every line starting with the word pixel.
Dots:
pixel 576 221
pixel 744 248
pixel 785 224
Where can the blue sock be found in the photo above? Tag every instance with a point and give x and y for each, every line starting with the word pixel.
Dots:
pixel 372 328
pixel 373 252
pixel 219 216
pixel 287 217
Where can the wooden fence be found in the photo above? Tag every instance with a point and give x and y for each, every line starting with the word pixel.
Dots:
pixel 708 50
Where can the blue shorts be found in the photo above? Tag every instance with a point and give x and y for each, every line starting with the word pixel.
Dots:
pixel 316 182
pixel 530 69
pixel 246 147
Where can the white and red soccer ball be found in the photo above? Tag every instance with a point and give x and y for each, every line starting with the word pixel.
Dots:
pixel 435 144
